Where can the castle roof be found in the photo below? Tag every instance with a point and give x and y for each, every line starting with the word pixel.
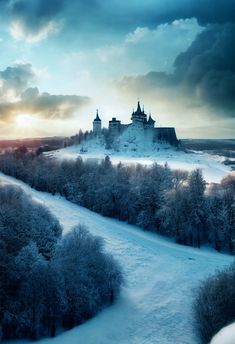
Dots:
pixel 150 120
pixel 139 114
pixel 138 110
pixel 97 119
pixel 114 120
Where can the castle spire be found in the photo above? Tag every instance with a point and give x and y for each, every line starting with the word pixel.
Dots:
pixel 97 124
pixel 97 119
pixel 138 107
pixel 151 120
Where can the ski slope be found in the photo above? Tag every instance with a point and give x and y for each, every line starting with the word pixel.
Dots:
pixel 142 152
pixel 161 277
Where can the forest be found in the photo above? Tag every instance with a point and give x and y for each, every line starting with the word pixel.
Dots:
pixel 173 203
pixel 48 282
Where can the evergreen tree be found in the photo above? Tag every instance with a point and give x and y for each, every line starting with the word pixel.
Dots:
pixel 196 189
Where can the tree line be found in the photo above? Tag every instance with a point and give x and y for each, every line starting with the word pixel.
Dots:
pixel 174 203
pixel 48 281
pixel 81 137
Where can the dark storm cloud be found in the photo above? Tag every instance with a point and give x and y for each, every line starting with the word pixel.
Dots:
pixel 208 66
pixel 204 74
pixel 35 14
pixel 130 14
pixel 121 16
pixel 206 11
pixel 16 97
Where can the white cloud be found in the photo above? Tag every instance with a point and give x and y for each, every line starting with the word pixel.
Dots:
pixel 20 33
pixel 148 49
pixel 137 35
pixel 138 52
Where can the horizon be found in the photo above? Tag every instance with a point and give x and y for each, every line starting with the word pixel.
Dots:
pixel 61 61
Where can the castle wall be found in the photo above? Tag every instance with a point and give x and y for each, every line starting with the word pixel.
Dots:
pixel 166 135
pixel 97 127
pixel 114 126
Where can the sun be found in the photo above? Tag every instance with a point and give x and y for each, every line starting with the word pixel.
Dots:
pixel 26 125
pixel 25 121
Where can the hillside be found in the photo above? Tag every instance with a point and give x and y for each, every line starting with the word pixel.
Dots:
pixel 133 148
pixel 155 303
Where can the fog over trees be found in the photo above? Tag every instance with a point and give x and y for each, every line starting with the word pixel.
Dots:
pixel 174 203
pixel 48 281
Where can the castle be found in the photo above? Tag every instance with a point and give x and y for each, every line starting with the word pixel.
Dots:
pixel 139 121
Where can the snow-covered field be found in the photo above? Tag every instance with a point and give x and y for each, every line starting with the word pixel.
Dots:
pixel 141 152
pixel 161 276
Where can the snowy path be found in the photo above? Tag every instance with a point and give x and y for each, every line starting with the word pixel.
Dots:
pixel 155 304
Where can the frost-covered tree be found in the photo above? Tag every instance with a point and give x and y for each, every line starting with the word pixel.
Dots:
pixel 173 215
pixel 175 203
pixel 196 199
pixel 91 278
pixel 48 281
pixel 29 278
pixel 22 220
pixel 214 305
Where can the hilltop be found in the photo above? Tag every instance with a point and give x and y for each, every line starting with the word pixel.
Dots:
pixel 136 150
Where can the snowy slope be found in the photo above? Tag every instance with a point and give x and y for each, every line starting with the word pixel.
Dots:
pixel 225 336
pixel 134 148
pixel 155 303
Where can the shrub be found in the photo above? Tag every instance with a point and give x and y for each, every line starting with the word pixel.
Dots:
pixel 214 305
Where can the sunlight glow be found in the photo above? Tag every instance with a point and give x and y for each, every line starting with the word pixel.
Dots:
pixel 25 121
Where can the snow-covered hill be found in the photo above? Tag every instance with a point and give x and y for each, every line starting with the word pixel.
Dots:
pixel 133 148
pixel 225 336
pixel 155 303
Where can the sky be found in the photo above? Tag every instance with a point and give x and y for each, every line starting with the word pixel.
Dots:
pixel 61 60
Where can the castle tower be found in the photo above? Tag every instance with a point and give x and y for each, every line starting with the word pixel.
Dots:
pixel 138 116
pixel 114 126
pixel 97 124
pixel 150 123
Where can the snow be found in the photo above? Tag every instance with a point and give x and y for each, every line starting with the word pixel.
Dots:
pixel 161 277
pixel 225 336
pixel 133 148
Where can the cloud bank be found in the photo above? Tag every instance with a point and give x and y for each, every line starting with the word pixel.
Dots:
pixel 135 42
pixel 205 73
pixel 16 97
pixel 36 19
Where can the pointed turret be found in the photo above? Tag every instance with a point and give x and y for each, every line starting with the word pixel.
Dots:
pixel 97 123
pixel 139 116
pixel 150 122
pixel 97 119
pixel 138 110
